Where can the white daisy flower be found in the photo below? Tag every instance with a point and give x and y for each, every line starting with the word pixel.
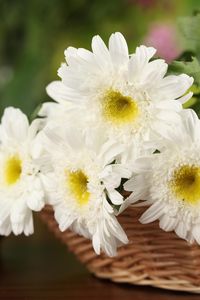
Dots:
pixel 127 95
pixel 20 185
pixel 81 181
pixel 170 180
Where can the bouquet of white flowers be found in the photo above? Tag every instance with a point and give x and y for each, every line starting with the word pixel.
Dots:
pixel 117 136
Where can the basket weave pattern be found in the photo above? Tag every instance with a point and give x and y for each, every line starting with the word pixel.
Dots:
pixel 152 257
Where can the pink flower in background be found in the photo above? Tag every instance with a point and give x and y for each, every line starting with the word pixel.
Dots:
pixel 163 38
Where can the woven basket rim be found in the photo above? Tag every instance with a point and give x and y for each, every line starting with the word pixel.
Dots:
pixel 153 257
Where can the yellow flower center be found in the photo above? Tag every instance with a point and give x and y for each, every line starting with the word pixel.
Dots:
pixel 77 183
pixel 119 109
pixel 12 170
pixel 186 183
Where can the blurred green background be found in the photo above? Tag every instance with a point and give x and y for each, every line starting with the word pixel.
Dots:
pixel 34 34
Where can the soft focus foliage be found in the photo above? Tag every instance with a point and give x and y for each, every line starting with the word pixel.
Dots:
pixel 33 35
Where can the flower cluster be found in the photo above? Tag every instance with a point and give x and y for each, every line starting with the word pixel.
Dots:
pixel 117 120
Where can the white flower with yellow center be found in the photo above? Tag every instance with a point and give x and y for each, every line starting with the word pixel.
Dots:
pixel 79 178
pixel 170 180
pixel 127 95
pixel 20 185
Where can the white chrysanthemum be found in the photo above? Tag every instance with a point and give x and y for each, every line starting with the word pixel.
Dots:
pixel 20 186
pixel 124 94
pixel 170 180
pixel 79 178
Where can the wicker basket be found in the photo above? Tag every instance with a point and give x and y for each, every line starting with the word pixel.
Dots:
pixel 152 257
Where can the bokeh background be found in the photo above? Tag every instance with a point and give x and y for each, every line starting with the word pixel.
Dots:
pixel 34 34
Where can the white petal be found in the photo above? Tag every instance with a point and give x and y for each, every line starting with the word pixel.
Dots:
pixel 86 55
pixel 37 148
pixel 35 193
pixel 64 225
pixel 50 186
pixel 101 51
pixel 96 242
pixel 169 116
pixel 109 151
pixel 109 209
pixel 64 220
pixel 181 229
pixel 128 185
pixel 18 228
pixel 144 54
pixel 173 87
pixel 143 164
pixel 116 230
pixel 122 170
pixel 22 221
pixel 126 203
pixel 185 98
pixel 70 51
pixel 14 125
pixel 80 60
pixel 112 182
pixel 169 105
pixel 5 208
pixel 167 223
pixel 28 224
pixel 34 128
pixel 192 123
pixel 115 197
pixel 139 185
pixel 75 138
pixel 109 248
pixel 35 200
pixel 174 135
pixel 118 49
pixel 138 62
pixel 48 109
pixel 81 229
pixel 154 72
pixel 153 213
pixel 5 227
pixel 19 210
pixel 59 92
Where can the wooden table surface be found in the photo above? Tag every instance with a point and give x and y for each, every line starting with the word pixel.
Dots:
pixel 39 267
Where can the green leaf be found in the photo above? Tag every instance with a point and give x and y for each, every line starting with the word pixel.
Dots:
pixel 192 68
pixel 190 32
